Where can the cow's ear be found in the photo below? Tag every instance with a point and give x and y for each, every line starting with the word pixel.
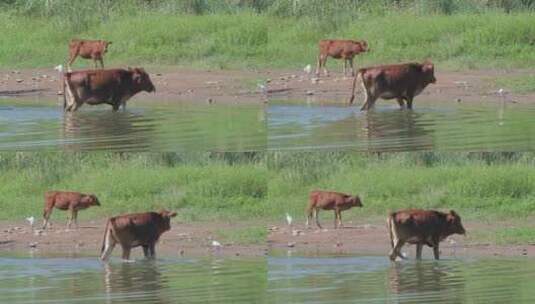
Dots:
pixel 109 42
pixel 172 214
pixel 453 213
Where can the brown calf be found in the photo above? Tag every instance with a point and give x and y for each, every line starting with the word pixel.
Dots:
pixel 88 49
pixel 113 87
pixel 328 200
pixel 421 227
pixel 339 49
pixel 133 230
pixel 398 81
pixel 72 201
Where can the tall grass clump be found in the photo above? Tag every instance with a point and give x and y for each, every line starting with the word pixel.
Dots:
pixel 199 186
pixel 478 184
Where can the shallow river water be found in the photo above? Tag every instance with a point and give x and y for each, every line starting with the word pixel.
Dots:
pixel 166 280
pixel 441 126
pixel 174 128
pixel 377 280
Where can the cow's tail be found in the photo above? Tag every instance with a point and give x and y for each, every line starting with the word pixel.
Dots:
pixel 357 78
pixel 64 80
pixel 107 234
pixel 390 227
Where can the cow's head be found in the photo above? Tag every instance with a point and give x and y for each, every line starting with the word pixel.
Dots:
pixel 90 200
pixel 105 45
pixel 360 46
pixel 355 201
pixel 429 71
pixel 166 220
pixel 141 80
pixel 454 223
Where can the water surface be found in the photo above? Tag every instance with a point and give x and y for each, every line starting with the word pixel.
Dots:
pixel 175 128
pixel 439 126
pixel 86 280
pixel 377 280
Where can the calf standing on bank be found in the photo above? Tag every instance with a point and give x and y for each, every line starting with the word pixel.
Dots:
pixel 399 81
pixel 421 227
pixel 72 201
pixel 113 87
pixel 328 200
pixel 133 230
pixel 88 49
pixel 339 49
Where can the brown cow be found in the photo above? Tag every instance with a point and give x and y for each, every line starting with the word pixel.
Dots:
pixel 398 81
pixel 328 200
pixel 421 227
pixel 133 230
pixel 72 201
pixel 339 49
pixel 88 49
pixel 113 87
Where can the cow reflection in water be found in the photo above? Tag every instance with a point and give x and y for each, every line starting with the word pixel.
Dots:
pixel 95 130
pixel 141 278
pixel 395 130
pixel 439 283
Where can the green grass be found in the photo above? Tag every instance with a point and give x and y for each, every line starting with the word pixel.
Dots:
pixel 481 186
pixel 506 236
pixel 200 187
pixel 222 35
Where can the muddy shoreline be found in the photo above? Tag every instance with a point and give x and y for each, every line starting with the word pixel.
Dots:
pixel 176 85
pixel 183 240
pixel 372 239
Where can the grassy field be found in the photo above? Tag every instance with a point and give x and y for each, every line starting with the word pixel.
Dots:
pixel 270 33
pixel 481 186
pixel 200 187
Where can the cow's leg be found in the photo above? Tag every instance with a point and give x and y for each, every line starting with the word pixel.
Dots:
pixel 309 216
pixel 71 217
pixel 146 251
pixel 401 103
pixel 409 102
pixel 340 224
pixel 345 67
pixel 46 217
pixel 419 248
pixel 352 67
pixel 369 101
pixel 324 63
pixel 72 57
pixel 316 216
pixel 318 66
pixel 75 218
pixel 101 62
pixel 115 106
pixel 126 252
pixel 436 252
pixel 152 250
pixel 396 250
pixel 335 218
